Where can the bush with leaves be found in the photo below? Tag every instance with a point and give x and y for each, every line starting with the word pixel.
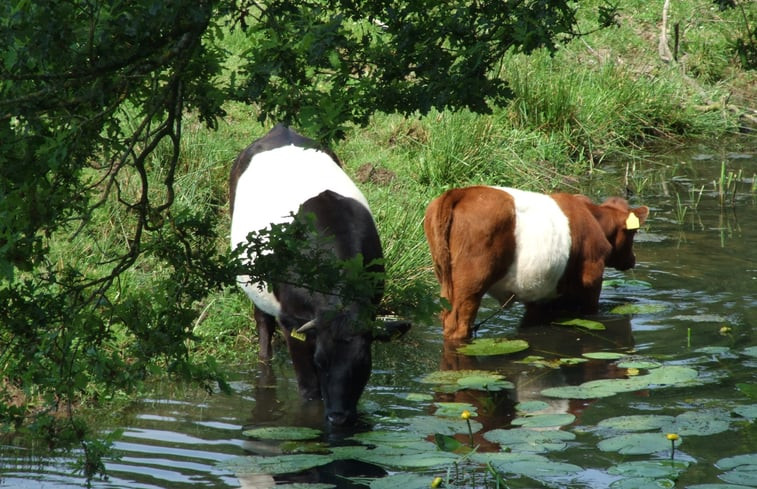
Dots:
pixel 93 98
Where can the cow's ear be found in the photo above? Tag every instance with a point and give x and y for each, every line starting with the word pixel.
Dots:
pixel 642 213
pixel 390 329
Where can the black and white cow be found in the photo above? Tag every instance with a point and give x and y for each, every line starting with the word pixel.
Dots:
pixel 278 175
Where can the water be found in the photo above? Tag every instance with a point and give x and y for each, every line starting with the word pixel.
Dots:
pixel 695 285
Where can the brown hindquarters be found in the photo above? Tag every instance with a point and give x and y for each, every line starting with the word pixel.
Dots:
pixel 470 232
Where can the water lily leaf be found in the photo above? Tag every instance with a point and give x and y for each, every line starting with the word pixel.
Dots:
pixel 309 485
pixel 635 443
pixel 426 425
pixel 493 346
pixel 283 464
pixel 528 440
pixel 702 422
pixel 583 323
pixel 748 389
pixel 448 443
pixel 416 459
pixel 629 309
pixel 454 380
pixel 283 433
pixel 668 375
pixel 658 377
pixel 525 463
pixel 300 446
pixel 637 422
pixel 484 383
pixel 750 351
pixel 418 397
pixel 604 355
pixel 729 463
pixel 746 475
pixel 749 412
pixel 718 486
pixel 454 409
pixel 544 420
pixel 531 406
pixel 552 362
pixel 642 483
pixel 713 350
pixel 396 439
pixel 653 469
pixel 639 364
pixel 404 480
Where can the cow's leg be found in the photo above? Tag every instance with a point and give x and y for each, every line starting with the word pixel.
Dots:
pixel 266 325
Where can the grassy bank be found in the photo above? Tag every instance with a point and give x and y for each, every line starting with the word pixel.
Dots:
pixel 607 96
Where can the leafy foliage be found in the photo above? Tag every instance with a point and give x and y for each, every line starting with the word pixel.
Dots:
pixel 94 97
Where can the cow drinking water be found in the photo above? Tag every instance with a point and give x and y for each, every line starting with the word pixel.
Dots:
pixel 282 177
pixel 547 251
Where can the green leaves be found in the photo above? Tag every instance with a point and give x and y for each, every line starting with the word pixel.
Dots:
pixel 322 66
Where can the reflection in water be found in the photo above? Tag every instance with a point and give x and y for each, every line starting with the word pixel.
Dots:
pixel 551 343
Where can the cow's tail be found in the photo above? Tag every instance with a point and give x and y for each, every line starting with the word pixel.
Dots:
pixel 438 224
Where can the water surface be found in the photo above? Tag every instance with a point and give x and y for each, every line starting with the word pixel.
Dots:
pixel 695 289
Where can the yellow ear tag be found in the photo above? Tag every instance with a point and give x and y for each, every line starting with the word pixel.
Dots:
pixel 296 335
pixel 632 222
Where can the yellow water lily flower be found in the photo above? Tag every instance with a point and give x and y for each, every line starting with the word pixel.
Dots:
pixel 436 482
pixel 672 436
pixel 465 414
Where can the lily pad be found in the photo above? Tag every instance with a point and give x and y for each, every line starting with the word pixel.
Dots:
pixel 629 309
pixel 284 464
pixel 403 480
pixel 453 409
pixel 418 397
pixel 748 389
pixel 642 483
pixel 426 425
pixel 639 364
pixel 493 346
pixel 749 412
pixel 420 455
pixel 750 351
pixel 528 440
pixel 551 362
pixel 653 469
pixel 702 422
pixel 583 323
pixel 728 463
pixel 531 406
pixel 637 422
pixel 718 486
pixel 386 438
pixel 635 443
pixel 283 433
pixel 545 420
pixel 454 380
pixel 604 355
pixel 527 464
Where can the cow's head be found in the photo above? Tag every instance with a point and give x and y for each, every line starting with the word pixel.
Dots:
pixel 342 359
pixel 620 224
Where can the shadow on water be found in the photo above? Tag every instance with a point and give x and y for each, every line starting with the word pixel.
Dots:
pixel 691 302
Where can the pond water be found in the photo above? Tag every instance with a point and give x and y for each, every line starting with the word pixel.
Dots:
pixel 681 325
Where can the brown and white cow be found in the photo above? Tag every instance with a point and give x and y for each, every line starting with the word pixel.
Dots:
pixel 547 251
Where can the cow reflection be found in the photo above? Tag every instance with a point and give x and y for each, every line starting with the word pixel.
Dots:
pixel 552 342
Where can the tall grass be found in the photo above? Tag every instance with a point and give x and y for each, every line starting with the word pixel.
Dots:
pixel 605 96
